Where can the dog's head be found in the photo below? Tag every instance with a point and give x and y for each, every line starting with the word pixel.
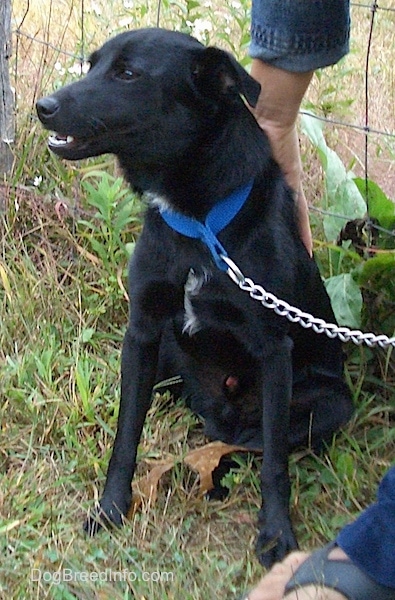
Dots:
pixel 141 91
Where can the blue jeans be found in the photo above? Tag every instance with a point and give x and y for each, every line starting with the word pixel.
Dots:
pixel 300 35
pixel 370 540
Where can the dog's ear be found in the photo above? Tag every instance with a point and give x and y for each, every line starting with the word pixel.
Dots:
pixel 217 74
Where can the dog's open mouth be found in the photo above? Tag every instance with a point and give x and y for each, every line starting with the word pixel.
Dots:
pixel 73 148
pixel 56 140
pixel 85 145
pixel 70 147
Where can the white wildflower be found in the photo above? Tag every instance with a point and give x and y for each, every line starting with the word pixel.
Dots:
pixel 59 68
pixel 125 22
pixel 96 9
pixel 79 68
pixel 200 27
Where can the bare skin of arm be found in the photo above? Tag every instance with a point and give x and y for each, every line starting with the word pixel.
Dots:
pixel 276 112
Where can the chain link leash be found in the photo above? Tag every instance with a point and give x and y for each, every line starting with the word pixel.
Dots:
pixel 295 315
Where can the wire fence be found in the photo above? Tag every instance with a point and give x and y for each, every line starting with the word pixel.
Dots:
pixel 52 41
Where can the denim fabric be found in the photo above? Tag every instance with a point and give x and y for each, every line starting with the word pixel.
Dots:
pixel 300 35
pixel 370 540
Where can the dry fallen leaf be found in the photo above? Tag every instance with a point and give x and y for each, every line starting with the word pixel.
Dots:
pixel 146 488
pixel 202 460
pixel 207 458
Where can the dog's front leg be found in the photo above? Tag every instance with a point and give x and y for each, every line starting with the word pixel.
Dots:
pixel 139 362
pixel 276 537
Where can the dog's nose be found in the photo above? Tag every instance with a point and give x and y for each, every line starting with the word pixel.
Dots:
pixel 47 108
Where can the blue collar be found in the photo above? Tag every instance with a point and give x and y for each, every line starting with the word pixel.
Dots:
pixel 217 219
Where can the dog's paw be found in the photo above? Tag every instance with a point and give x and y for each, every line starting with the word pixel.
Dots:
pixel 273 547
pixel 104 517
pixel 93 524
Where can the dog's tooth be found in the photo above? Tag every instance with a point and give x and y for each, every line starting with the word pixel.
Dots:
pixel 56 140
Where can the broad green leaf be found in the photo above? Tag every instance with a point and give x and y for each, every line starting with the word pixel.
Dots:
pixel 346 299
pixel 381 266
pixel 342 195
pixel 333 167
pixel 380 207
pixel 347 202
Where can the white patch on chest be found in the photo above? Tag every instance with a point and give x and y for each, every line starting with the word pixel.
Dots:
pixel 194 282
pixel 193 285
pixel 160 201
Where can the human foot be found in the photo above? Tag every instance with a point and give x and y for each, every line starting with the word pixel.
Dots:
pixel 272 585
pixel 327 574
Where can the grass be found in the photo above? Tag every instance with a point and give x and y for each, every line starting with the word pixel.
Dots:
pixel 63 313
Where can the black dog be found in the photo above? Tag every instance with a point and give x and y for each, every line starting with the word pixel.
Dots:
pixel 172 112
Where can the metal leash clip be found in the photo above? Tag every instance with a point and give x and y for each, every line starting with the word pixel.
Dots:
pixel 233 270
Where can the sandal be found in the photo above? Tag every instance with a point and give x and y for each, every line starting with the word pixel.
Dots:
pixel 340 575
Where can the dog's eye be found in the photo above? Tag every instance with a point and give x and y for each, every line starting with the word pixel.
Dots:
pixel 127 74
